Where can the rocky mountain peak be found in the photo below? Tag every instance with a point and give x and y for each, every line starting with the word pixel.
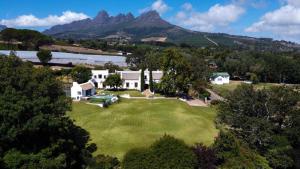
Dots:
pixel 102 17
pixel 2 27
pixel 150 15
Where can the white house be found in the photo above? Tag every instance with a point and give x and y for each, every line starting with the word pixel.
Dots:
pixel 98 77
pixel 79 91
pixel 220 78
pixel 131 79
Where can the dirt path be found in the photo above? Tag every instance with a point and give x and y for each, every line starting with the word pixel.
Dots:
pixel 215 96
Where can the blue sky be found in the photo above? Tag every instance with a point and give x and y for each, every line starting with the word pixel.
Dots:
pixel 279 19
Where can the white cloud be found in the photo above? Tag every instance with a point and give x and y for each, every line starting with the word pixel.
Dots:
pixel 187 6
pixel 51 20
pixel 217 16
pixel 159 5
pixel 283 22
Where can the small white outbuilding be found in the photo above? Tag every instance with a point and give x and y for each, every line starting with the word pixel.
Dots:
pixel 220 78
pixel 79 91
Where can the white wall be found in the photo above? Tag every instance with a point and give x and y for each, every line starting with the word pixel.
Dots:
pixel 100 76
pixel 220 80
pixel 132 84
pixel 76 91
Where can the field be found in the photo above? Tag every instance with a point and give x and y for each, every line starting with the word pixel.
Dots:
pixel 225 89
pixel 138 123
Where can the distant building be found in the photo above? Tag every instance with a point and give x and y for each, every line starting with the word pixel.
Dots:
pixel 220 78
pixel 131 79
pixel 79 91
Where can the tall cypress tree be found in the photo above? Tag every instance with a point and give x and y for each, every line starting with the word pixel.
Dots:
pixel 142 79
pixel 151 80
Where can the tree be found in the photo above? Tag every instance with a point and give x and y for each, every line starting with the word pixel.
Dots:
pixel 35 131
pixel 142 80
pixel 81 74
pixel 206 157
pixel 112 67
pixel 151 84
pixel 113 80
pixel 153 63
pixel 176 78
pixel 136 61
pixel 262 119
pixel 44 56
pixel 167 153
pixel 232 154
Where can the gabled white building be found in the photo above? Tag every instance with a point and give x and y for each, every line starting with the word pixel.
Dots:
pixel 131 79
pixel 99 77
pixel 220 78
pixel 79 91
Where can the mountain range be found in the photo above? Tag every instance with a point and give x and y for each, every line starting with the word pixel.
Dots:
pixel 150 26
pixel 2 27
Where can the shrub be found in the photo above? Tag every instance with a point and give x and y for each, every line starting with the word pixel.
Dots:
pixel 206 157
pixel 166 153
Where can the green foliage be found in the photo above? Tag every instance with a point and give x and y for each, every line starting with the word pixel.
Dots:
pixel 105 162
pixel 261 118
pixel 137 61
pixel 273 67
pixel 114 81
pixel 81 74
pixel 177 72
pixel 35 132
pixel 151 83
pixel 110 67
pixel 142 80
pixel 206 157
pixel 232 154
pixel 44 56
pixel 167 153
pixel 253 78
pixel 30 39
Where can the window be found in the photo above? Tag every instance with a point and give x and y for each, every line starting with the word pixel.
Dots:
pixel 104 76
pixel 145 77
pixel 95 76
pixel 100 76
pixel 78 93
pixel 136 84
pixel 127 84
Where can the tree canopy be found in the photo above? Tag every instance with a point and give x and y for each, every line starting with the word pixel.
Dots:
pixel 114 81
pixel 167 153
pixel 81 74
pixel 265 120
pixel 35 131
pixel 44 56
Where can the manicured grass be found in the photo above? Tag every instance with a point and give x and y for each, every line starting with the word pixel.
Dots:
pixel 138 123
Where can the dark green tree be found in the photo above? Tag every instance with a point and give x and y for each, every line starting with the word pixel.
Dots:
pixel 262 119
pixel 81 74
pixel 177 74
pixel 152 63
pixel 44 56
pixel 114 81
pixel 167 153
pixel 35 131
pixel 142 80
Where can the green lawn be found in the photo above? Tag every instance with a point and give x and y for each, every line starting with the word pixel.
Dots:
pixel 138 123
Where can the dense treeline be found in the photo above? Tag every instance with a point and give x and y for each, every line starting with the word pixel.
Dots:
pixel 266 120
pixel 268 67
pixel 35 131
pixel 30 40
